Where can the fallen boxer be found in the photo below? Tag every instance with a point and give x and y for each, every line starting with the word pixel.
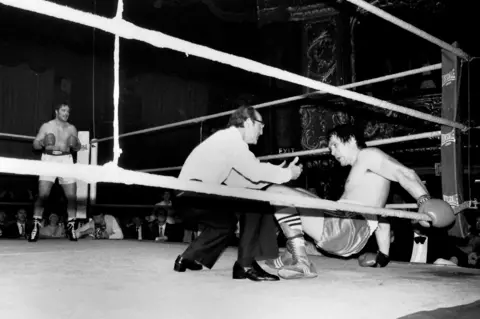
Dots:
pixel 346 234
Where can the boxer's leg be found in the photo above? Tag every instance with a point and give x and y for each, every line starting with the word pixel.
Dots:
pixel 70 189
pixel 382 235
pixel 45 184
pixel 69 186
pixel 290 222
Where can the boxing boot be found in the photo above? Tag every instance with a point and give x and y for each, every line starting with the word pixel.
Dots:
pixel 300 266
pixel 285 259
pixel 33 236
pixel 71 232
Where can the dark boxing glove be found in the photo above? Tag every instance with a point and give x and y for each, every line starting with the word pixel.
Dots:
pixel 49 140
pixel 373 260
pixel 440 212
pixel 73 142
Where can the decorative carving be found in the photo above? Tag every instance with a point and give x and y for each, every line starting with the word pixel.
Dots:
pixel 314 127
pixel 429 6
pixel 320 52
pixel 378 123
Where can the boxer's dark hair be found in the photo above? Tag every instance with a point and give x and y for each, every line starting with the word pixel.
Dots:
pixel 240 115
pixel 345 132
pixel 60 104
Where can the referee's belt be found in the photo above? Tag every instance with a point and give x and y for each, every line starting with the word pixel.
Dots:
pixel 55 153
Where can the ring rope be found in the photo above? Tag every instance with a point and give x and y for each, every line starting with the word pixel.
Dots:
pixel 110 173
pixel 392 206
pixel 116 88
pixel 128 30
pixel 202 119
pixel 407 26
pixel 457 209
pixel 321 151
pixel 17 136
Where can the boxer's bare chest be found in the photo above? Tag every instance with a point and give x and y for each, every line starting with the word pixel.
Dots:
pixel 366 188
pixel 61 132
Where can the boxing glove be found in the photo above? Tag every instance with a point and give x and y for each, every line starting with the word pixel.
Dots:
pixel 73 142
pixel 49 140
pixel 373 260
pixel 440 212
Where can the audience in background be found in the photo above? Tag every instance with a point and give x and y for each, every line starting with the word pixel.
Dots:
pixel 410 241
pixel 101 227
pixel 53 229
pixel 136 229
pixel 3 217
pixel 18 228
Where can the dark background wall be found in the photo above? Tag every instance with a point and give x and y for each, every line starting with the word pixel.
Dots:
pixel 159 86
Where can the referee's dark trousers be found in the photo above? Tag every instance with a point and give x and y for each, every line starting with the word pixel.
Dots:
pixel 218 216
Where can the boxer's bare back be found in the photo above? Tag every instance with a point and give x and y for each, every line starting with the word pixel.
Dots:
pixel 369 180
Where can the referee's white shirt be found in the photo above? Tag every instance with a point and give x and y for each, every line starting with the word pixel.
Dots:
pixel 224 157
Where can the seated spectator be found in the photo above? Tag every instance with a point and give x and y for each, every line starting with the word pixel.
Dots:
pixel 473 252
pixel 472 248
pixel 20 227
pixel 6 195
pixel 162 228
pixel 54 229
pixel 101 227
pixel 136 229
pixel 166 203
pixel 3 217
pixel 155 226
pixel 414 243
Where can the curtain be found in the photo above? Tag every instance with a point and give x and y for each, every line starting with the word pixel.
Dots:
pixel 162 100
pixel 25 104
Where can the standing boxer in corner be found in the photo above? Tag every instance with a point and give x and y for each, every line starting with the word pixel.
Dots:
pixel 57 138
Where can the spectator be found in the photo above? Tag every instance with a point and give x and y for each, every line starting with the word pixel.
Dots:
pixel 414 243
pixel 20 227
pixel 136 229
pixel 166 204
pixel 3 216
pixel 54 229
pixel 101 227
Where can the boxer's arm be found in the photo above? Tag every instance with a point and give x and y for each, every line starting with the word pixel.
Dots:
pixel 75 146
pixel 38 141
pixel 384 165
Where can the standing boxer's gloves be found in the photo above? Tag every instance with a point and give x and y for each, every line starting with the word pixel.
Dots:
pixel 73 143
pixel 49 140
pixel 373 260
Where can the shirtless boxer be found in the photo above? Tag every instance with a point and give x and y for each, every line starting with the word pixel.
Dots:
pixel 57 138
pixel 345 234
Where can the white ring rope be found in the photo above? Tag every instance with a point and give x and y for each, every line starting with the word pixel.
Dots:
pixel 321 151
pixel 130 31
pixel 404 25
pixel 111 173
pixel 116 89
pixel 392 206
pixel 202 119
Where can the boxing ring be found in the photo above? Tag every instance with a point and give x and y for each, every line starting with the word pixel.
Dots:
pixel 125 279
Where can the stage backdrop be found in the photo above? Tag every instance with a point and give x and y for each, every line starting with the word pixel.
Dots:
pixel 26 101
